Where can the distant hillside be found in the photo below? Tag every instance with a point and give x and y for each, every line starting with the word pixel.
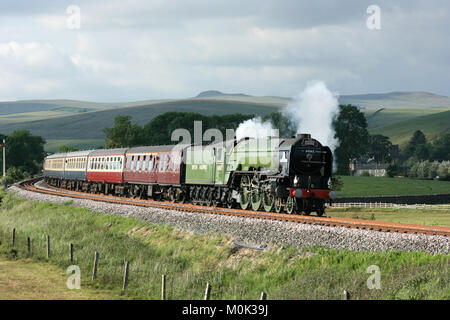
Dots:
pixel 384 117
pixel 90 125
pixel 215 93
pixel 397 100
pixel 431 125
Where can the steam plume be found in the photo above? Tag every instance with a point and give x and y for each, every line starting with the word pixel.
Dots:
pixel 255 128
pixel 313 111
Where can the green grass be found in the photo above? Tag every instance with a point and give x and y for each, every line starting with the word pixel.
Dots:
pixel 90 125
pixel 25 279
pixel 389 116
pixel 431 125
pixel 435 216
pixel 383 186
pixel 52 145
pixel 190 260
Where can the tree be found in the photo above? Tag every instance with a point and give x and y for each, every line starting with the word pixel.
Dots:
pixel 417 139
pixel 379 147
pixel 24 151
pixel 159 130
pixel 123 133
pixel 279 121
pixel 422 152
pixel 66 148
pixel 351 130
pixel 440 148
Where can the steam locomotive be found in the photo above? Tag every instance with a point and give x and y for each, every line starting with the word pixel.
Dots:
pixel 270 174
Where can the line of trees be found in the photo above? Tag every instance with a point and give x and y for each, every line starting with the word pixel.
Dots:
pixel 159 130
pixel 350 127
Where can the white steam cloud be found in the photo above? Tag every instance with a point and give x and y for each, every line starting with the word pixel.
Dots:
pixel 313 111
pixel 255 128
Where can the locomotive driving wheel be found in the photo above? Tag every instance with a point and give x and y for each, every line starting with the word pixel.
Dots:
pixel 230 200
pixel 268 201
pixel 256 194
pixel 244 192
pixel 278 204
pixel 290 205
pixel 209 193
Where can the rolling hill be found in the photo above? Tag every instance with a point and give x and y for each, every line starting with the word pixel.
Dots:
pixel 80 123
pixel 89 125
pixel 431 125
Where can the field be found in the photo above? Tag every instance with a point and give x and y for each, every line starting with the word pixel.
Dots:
pixel 436 216
pixel 383 186
pixel 25 279
pixel 384 117
pixel 190 260
pixel 83 121
pixel 431 125
pixel 89 126
pixel 52 145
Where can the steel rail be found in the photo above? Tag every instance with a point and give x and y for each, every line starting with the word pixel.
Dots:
pixel 320 221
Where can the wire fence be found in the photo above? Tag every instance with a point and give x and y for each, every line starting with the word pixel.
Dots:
pixel 112 273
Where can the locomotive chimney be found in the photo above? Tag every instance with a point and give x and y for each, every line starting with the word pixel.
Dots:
pixel 303 136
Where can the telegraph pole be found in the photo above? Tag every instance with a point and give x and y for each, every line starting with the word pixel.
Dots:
pixel 4 162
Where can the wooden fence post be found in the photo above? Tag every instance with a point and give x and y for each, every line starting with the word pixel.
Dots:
pixel 29 245
pixel 71 252
pixel 346 295
pixel 263 296
pixel 13 236
pixel 163 287
pixel 48 246
pixel 207 291
pixel 94 268
pixel 125 276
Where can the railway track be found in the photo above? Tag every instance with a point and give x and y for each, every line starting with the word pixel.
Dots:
pixel 382 226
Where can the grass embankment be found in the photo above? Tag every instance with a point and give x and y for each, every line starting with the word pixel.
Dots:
pixel 190 261
pixel 435 216
pixel 26 279
pixel 383 186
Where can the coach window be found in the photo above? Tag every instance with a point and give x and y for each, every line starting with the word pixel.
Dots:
pixel 144 160
pixel 150 163
pixel 132 163
pixel 138 165
pixel 166 162
pixel 159 159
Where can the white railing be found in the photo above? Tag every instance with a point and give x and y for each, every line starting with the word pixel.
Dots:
pixel 386 205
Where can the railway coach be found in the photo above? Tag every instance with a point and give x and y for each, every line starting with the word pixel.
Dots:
pixel 75 170
pixel 53 167
pixel 105 171
pixel 154 171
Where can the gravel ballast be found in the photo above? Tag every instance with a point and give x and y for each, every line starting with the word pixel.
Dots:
pixel 260 232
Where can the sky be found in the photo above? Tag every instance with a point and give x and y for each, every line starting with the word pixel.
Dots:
pixel 137 50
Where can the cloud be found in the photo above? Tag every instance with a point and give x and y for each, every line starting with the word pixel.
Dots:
pixel 165 49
